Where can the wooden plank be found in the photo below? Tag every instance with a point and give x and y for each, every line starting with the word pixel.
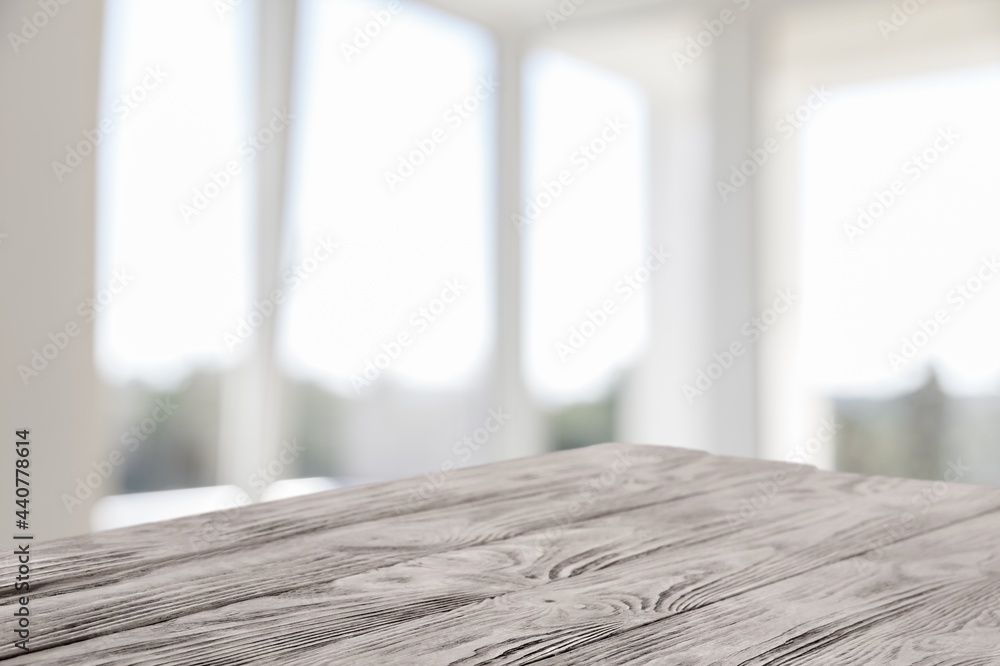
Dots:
pixel 434 583
pixel 318 556
pixel 110 555
pixel 567 614
pixel 441 583
pixel 681 558
pixel 923 601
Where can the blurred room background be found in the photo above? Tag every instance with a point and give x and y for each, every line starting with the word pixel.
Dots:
pixel 255 248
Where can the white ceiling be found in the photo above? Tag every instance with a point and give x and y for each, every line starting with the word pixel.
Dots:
pixel 531 14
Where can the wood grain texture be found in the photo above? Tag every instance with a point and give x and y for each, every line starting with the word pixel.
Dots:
pixel 613 554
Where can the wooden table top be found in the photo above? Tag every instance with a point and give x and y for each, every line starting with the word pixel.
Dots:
pixel 612 554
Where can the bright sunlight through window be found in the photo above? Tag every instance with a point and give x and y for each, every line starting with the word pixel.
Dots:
pixel 170 281
pixel 393 163
pixel 888 291
pixel 585 227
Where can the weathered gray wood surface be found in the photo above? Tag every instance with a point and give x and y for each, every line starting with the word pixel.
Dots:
pixel 608 555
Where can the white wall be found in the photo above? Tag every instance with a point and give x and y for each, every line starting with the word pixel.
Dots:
pixel 49 90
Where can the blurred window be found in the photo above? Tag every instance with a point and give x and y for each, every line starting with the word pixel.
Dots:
pixel 901 225
pixel 900 273
pixel 394 163
pixel 585 225
pixel 175 242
